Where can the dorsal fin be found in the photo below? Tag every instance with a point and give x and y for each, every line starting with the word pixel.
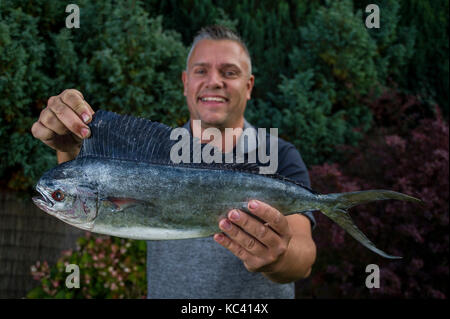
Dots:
pixel 126 137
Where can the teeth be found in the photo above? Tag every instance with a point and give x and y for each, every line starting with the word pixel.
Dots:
pixel 215 99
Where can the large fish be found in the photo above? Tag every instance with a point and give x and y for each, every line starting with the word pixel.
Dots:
pixel 124 184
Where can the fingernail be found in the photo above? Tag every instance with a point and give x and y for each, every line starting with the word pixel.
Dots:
pixel 219 237
pixel 253 204
pixel 234 215
pixel 84 132
pixel 225 224
pixel 85 117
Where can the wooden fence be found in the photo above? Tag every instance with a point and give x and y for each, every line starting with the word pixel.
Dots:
pixel 27 235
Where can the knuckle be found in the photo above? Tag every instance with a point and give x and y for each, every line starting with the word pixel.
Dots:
pixel 244 221
pixel 46 118
pixel 77 93
pixel 277 217
pixel 227 243
pixel 281 249
pixel 51 100
pixel 57 108
pixel 35 129
pixel 78 107
pixel 72 97
pixel 263 231
pixel 69 95
pixel 236 232
pixel 42 114
pixel 240 253
pixel 251 243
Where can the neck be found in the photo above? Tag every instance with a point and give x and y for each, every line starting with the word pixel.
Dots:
pixel 224 138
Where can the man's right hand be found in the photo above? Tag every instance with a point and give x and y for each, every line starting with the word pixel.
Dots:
pixel 62 124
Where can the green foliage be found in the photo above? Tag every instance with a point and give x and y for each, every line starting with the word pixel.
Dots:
pixel 131 65
pixel 120 59
pixel 312 60
pixel 394 42
pixel 428 70
pixel 22 87
pixel 316 68
pixel 109 267
pixel 332 69
pixel 188 16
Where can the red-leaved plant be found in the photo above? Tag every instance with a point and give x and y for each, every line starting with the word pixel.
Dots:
pixel 408 155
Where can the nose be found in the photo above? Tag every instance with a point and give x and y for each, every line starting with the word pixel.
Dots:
pixel 214 80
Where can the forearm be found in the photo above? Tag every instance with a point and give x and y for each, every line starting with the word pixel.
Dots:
pixel 296 263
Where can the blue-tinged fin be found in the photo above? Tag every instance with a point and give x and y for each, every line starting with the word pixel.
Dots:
pixel 127 137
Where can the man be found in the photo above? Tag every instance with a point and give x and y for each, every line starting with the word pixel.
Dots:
pixel 254 257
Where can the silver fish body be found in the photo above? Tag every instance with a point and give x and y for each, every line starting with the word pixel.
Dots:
pixel 105 190
pixel 171 202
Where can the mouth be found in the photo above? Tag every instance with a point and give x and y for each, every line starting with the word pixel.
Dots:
pixel 42 200
pixel 212 99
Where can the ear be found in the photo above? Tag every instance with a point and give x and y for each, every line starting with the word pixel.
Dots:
pixel 250 84
pixel 184 79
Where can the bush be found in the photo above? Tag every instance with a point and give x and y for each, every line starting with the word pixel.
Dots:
pixel 110 267
pixel 319 101
pixel 22 83
pixel 120 59
pixel 414 162
pixel 427 73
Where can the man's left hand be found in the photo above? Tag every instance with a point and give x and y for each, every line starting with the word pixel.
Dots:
pixel 260 245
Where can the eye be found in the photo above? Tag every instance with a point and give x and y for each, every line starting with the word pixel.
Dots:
pixel 200 71
pixel 231 73
pixel 58 195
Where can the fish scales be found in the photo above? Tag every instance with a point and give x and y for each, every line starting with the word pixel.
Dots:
pixel 164 194
pixel 124 184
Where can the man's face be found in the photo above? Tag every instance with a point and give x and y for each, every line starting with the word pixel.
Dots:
pixel 217 83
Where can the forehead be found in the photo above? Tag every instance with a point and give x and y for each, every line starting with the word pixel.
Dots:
pixel 219 52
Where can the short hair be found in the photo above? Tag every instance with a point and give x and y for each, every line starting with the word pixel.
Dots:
pixel 218 32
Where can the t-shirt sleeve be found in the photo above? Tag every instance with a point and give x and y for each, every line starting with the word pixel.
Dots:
pixel 291 165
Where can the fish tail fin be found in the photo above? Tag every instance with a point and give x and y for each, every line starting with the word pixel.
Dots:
pixel 339 203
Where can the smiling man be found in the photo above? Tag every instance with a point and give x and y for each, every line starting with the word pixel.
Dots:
pixel 217 86
pixel 258 255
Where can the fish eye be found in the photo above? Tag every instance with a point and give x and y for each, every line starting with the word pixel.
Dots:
pixel 58 195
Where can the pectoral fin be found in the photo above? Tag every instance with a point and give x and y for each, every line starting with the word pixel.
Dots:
pixel 118 204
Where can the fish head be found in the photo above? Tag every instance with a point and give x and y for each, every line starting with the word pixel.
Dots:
pixel 66 198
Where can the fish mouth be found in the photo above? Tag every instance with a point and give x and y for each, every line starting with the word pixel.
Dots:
pixel 42 200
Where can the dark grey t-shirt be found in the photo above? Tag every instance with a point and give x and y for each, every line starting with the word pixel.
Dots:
pixel 201 268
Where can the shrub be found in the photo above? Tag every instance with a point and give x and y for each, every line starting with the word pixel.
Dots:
pixel 120 59
pixel 414 162
pixel 332 68
pixel 22 83
pixel 110 267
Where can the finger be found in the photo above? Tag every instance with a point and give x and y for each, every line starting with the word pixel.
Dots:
pixel 69 118
pixel 77 92
pixel 251 262
pixel 50 121
pixel 74 99
pixel 262 232
pixel 44 134
pixel 272 216
pixel 250 243
pixel 41 132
